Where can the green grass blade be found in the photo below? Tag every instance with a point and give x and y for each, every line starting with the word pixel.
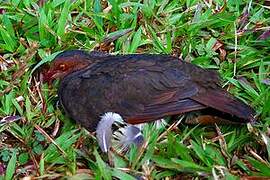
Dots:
pixel 122 175
pixel 11 166
pixel 10 43
pixel 63 19
pixel 8 25
pixel 105 171
pixel 136 40
pixel 262 167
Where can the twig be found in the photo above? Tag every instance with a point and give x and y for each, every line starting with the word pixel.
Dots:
pixel 50 139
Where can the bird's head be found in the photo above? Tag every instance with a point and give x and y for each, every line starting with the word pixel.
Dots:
pixel 66 63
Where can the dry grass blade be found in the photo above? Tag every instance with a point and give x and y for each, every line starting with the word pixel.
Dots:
pixel 50 139
pixel 170 128
pixel 258 157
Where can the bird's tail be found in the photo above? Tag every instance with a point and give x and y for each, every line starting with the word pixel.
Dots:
pixel 222 101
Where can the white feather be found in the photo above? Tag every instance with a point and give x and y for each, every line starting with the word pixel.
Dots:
pixel 104 129
pixel 124 136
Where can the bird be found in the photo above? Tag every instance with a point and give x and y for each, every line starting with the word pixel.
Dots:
pixel 138 88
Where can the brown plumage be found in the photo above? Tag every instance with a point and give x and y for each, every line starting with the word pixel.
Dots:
pixel 139 87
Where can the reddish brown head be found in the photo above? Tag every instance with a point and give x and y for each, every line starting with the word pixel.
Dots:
pixel 66 63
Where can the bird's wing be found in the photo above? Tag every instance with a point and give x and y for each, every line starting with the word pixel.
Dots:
pixel 141 89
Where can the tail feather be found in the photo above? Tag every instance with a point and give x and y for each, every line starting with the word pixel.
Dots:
pixel 221 100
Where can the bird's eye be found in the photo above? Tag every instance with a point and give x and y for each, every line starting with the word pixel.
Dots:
pixel 62 67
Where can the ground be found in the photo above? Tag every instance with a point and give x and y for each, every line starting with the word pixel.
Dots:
pixel 38 140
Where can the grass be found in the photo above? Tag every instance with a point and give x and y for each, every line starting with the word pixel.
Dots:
pixel 38 140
